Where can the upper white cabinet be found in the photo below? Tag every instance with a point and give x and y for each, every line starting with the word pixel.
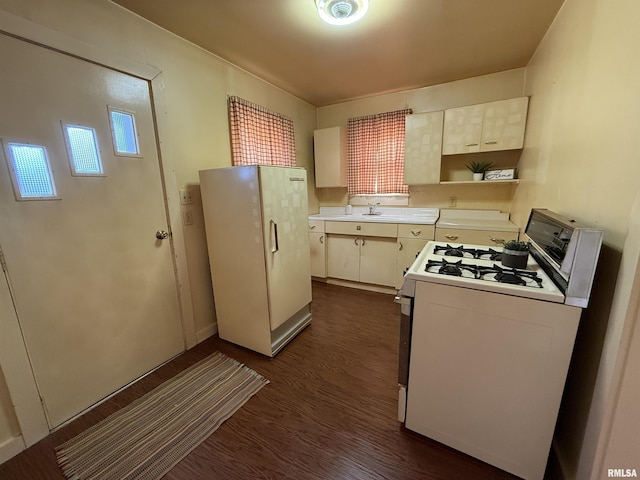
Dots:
pixel 462 129
pixel 423 148
pixel 485 127
pixel 330 152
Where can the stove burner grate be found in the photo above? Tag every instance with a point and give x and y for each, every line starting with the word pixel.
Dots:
pixel 492 254
pixel 450 268
pixel 512 276
pixel 450 251
pixel 462 251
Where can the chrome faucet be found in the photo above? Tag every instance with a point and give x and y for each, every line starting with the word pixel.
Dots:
pixel 373 207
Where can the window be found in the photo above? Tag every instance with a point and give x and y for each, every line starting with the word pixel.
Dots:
pixel 375 154
pixel 125 135
pixel 82 148
pixel 259 136
pixel 30 172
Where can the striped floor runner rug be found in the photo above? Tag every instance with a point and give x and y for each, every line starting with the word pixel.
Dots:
pixel 148 437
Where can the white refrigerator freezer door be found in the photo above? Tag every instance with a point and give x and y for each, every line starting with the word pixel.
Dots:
pixel 285 224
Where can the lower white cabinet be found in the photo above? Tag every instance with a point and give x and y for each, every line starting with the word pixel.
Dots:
pixel 477 237
pixel 318 248
pixel 362 259
pixel 343 252
pixel 411 240
pixel 378 260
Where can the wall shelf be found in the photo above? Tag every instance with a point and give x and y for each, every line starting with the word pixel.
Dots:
pixel 481 182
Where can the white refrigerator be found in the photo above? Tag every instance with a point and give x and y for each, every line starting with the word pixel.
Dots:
pixel 256 222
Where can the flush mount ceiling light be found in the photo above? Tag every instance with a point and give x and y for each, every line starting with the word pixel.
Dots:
pixel 342 12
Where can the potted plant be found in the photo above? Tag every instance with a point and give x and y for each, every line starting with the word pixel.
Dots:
pixel 515 254
pixel 478 169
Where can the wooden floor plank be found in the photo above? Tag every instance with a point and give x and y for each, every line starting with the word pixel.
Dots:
pixel 329 412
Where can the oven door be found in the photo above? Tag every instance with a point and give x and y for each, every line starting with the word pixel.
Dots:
pixel 406 308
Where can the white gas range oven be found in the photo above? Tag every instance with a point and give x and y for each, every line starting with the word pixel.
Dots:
pixel 485 349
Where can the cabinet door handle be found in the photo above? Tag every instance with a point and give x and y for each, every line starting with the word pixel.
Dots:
pixel 498 240
pixel 401 247
pixel 451 237
pixel 470 144
pixel 321 239
pixel 362 242
pixel 355 240
pixel 311 227
pixel 415 233
pixel 492 142
pixel 274 247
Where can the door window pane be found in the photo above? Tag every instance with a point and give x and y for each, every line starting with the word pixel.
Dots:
pixel 31 173
pixel 125 138
pixel 83 150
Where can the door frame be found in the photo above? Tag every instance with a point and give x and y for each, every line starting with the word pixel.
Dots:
pixel 14 362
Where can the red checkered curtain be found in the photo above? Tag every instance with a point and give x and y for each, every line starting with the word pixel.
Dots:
pixel 375 155
pixel 260 136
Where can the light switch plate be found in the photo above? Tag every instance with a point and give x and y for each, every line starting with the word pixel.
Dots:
pixel 185 197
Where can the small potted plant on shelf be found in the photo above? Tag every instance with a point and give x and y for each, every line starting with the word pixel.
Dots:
pixel 515 254
pixel 478 169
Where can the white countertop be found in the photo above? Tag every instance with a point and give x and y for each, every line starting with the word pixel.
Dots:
pixel 476 220
pixel 419 216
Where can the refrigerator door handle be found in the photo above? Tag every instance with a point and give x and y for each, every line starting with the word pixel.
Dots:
pixel 274 243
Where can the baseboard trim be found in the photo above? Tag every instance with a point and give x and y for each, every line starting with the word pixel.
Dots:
pixel 10 448
pixel 362 286
pixel 555 467
pixel 204 333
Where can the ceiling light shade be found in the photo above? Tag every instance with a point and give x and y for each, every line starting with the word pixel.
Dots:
pixel 342 12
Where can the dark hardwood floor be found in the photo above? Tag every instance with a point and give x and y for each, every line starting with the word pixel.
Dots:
pixel 329 412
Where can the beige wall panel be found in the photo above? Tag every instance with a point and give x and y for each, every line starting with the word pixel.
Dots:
pixel 581 159
pixel 9 427
pixel 487 88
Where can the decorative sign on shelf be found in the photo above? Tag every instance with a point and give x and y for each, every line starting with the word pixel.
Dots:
pixel 504 174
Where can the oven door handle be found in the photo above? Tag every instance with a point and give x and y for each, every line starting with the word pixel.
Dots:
pixel 402 300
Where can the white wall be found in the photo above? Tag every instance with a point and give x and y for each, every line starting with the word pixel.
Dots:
pixel 581 159
pixel 194 94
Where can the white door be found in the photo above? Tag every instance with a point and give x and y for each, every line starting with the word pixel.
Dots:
pixel 286 225
pixel 93 288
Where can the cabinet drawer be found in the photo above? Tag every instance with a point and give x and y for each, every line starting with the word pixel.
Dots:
pixel 425 232
pixel 316 226
pixel 363 229
pixel 478 237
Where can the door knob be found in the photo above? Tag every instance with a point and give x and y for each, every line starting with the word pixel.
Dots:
pixel 161 234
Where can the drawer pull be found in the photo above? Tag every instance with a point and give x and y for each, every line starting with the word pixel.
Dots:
pixel 492 142
pixel 415 233
pixel 470 144
pixel 358 227
pixel 498 240
pixel 451 237
pixel 311 227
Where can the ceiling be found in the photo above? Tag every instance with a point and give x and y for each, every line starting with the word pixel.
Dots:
pixel 398 45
